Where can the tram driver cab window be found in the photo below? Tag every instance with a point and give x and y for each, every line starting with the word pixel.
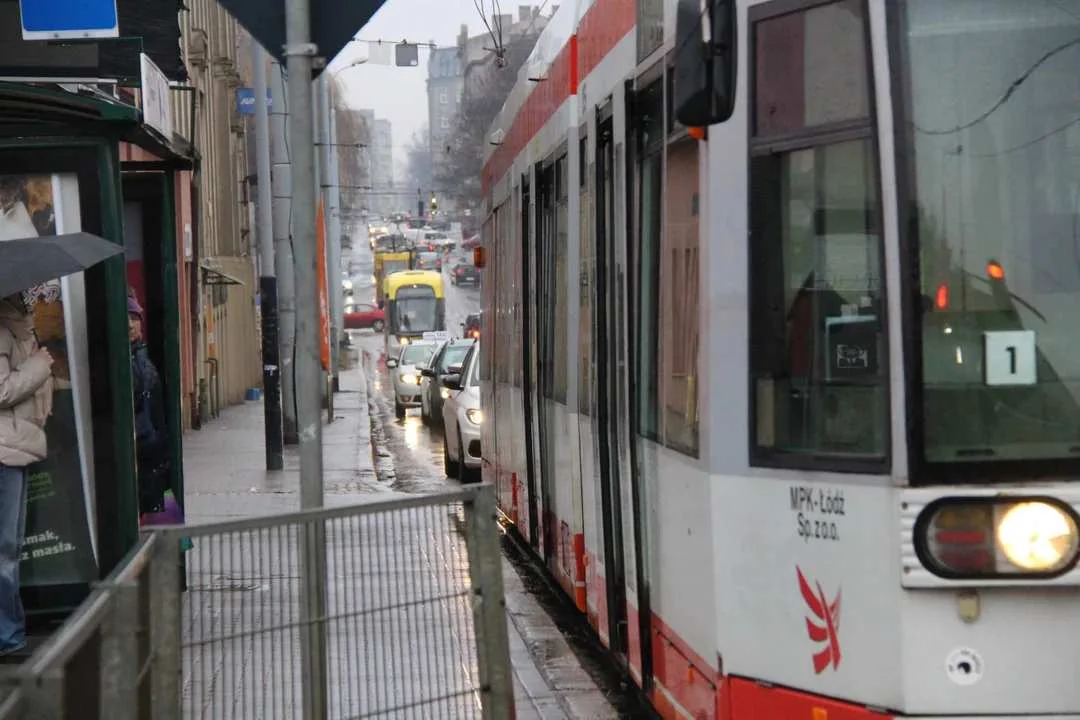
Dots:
pixel 817 316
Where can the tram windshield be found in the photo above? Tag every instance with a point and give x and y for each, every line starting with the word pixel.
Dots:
pixel 416 310
pixel 993 123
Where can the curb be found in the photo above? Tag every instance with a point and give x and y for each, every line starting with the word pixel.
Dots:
pixel 382 460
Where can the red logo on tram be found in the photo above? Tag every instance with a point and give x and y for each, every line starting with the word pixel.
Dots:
pixel 824 626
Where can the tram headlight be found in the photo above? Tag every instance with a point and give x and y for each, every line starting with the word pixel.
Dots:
pixel 1037 536
pixel 998 538
pixel 475 416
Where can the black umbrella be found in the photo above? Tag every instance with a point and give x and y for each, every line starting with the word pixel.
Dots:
pixel 27 262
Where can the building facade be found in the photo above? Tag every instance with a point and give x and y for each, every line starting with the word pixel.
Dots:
pixel 382 176
pixel 225 348
pixel 444 85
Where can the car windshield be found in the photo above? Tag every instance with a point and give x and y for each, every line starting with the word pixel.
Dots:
pixel 453 356
pixel 474 378
pixel 417 354
pixel 994 136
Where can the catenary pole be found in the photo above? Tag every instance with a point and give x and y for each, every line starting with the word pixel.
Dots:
pixel 300 54
pixel 267 278
pixel 281 187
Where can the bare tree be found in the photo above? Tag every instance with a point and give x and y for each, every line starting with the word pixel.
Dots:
pixel 353 162
pixel 488 84
pixel 418 165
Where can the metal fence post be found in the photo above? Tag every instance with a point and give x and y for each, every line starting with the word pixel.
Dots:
pixel 312 556
pixel 164 602
pixel 489 605
pixel 45 695
pixel 119 654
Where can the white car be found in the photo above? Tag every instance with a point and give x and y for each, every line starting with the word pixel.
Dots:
pixel 404 369
pixel 463 419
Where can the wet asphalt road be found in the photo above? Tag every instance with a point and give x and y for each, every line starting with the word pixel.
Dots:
pixel 415 456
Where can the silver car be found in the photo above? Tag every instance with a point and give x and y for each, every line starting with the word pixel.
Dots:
pixel 463 420
pixel 450 354
pixel 405 371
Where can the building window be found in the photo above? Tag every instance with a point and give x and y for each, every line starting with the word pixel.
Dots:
pixel 444 122
pixel 818 358
pixel 444 97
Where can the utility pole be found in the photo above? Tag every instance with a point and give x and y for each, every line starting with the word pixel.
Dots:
pixel 267 280
pixel 300 53
pixel 283 255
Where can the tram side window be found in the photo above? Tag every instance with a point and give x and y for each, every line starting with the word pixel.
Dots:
pixel 817 308
pixel 586 280
pixel 681 316
pixel 562 209
pixel 650 227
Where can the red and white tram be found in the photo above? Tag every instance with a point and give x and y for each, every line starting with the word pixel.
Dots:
pixel 788 398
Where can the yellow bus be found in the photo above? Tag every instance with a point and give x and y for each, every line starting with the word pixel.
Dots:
pixel 387 263
pixel 415 304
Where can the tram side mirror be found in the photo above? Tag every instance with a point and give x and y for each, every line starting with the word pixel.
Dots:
pixel 705 66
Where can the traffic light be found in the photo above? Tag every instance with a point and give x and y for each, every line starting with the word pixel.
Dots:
pixel 434 203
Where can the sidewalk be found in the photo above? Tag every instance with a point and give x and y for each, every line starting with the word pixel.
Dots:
pixel 225 479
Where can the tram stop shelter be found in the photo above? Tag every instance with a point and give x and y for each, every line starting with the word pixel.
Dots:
pixel 61 171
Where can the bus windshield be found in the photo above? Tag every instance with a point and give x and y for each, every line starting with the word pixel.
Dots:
pixel 416 310
pixel 993 126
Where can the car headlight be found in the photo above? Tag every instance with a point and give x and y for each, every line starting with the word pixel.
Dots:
pixel 347 284
pixel 444 393
pixel 410 378
pixel 475 416
pixel 403 341
pixel 996 537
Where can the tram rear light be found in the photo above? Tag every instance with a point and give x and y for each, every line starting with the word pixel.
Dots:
pixel 941 297
pixel 997 538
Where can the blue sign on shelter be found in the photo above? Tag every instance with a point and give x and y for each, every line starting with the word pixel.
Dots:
pixel 245 101
pixel 68 19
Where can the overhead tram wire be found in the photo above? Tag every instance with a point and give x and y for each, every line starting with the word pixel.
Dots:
pixel 1010 92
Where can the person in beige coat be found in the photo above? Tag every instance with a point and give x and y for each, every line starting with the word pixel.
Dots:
pixel 25 404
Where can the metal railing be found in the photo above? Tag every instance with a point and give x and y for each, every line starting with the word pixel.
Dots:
pixel 391 609
pixel 108 659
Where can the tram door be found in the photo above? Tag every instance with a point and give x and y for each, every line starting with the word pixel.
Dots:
pixel 544 266
pixel 528 359
pixel 608 374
